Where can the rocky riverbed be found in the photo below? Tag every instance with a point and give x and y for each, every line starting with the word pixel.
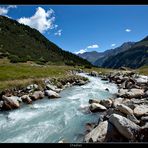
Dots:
pixel 125 117
pixel 14 98
pixel 122 117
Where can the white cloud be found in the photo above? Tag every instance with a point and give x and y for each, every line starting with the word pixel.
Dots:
pixel 128 30
pixel 5 10
pixel 58 33
pixel 93 46
pixel 87 48
pixel 42 20
pixel 112 45
pixel 12 6
pixel 80 51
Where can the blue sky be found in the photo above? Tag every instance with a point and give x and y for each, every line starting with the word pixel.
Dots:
pixel 84 28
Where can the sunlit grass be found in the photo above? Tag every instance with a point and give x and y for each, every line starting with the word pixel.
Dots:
pixel 143 70
pixel 22 74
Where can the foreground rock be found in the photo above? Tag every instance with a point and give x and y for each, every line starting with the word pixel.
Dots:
pixel 141 110
pixel 124 109
pixel 96 107
pixel 51 94
pixel 98 134
pixel 10 102
pixel 125 126
pixel 37 95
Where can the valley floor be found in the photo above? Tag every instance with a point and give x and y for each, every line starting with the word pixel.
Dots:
pixel 22 74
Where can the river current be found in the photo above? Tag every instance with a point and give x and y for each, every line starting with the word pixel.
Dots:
pixel 51 120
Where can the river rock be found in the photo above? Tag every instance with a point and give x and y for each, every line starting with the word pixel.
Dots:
pixel 93 101
pixel 117 101
pixel 144 118
pixel 124 109
pixel 132 93
pixel 81 82
pixel 111 111
pixel 96 107
pixel 133 119
pixel 140 110
pixel 37 95
pixel 113 135
pixel 32 87
pixel 143 133
pixel 51 94
pixel 142 79
pixel 106 89
pixel 146 93
pixel 52 87
pixel 104 78
pixel 125 126
pixel 10 102
pixel 94 73
pixel 26 99
pixel 98 134
pixel 107 103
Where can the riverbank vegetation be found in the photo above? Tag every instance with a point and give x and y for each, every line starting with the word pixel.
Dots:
pixel 22 74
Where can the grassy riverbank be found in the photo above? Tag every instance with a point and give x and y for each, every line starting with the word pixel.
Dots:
pixel 22 74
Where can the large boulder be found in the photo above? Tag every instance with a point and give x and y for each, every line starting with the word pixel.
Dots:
pixel 124 109
pixel 125 126
pixel 51 94
pixel 98 134
pixel 140 110
pixel 132 93
pixel 113 135
pixel 10 102
pixel 96 107
pixel 37 95
pixel 26 99
pixel 107 103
